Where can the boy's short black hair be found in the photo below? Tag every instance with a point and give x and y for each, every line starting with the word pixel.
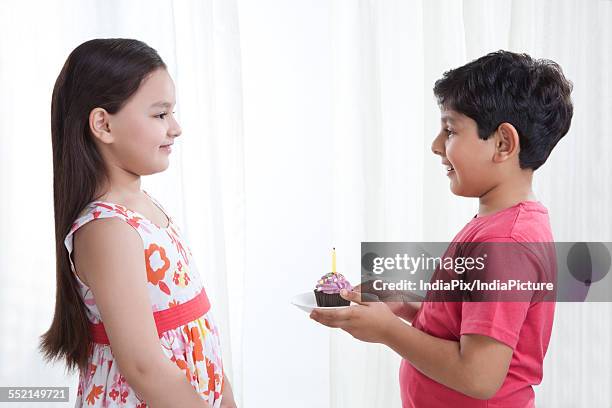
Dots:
pixel 531 94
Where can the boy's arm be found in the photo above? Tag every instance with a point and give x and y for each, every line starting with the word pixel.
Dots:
pixel 476 365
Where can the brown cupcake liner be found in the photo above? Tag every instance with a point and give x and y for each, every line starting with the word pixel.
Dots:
pixel 330 299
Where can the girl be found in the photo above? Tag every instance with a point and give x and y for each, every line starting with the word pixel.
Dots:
pixel 138 328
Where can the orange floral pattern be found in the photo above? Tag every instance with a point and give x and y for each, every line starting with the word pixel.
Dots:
pixel 94 394
pixel 156 275
pixel 173 279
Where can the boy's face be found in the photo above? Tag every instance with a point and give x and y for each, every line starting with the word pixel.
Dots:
pixel 471 158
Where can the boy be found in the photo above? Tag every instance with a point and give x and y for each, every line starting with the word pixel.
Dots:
pixel 501 116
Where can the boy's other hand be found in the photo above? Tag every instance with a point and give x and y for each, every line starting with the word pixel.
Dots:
pixel 402 304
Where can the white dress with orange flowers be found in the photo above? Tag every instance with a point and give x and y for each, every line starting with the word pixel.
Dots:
pixel 173 279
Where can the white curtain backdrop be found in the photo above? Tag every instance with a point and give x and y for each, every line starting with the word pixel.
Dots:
pixel 203 188
pixel 306 124
pixel 388 187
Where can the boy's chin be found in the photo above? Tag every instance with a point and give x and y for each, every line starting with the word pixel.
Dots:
pixel 461 191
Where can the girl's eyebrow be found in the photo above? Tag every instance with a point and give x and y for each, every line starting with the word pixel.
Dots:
pixel 162 104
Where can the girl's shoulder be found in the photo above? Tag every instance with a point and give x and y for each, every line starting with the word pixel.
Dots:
pixel 100 210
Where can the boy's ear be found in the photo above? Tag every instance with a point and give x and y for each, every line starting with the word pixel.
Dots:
pixel 99 125
pixel 506 142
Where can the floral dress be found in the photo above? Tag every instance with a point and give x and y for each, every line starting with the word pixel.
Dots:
pixel 173 279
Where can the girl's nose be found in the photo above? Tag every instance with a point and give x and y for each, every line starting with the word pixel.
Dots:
pixel 175 130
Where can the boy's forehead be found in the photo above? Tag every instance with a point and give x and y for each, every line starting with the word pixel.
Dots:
pixel 450 116
pixel 447 115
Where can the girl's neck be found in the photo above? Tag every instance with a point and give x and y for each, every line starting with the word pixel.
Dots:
pixel 122 185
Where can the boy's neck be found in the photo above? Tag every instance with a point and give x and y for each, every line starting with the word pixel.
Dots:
pixel 507 194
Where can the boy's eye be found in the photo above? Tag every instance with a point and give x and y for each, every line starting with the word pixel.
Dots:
pixel 450 132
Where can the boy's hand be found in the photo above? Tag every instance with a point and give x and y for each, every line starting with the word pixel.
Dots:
pixel 366 321
pixel 402 304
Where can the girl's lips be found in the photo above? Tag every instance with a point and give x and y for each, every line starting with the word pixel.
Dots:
pixel 167 148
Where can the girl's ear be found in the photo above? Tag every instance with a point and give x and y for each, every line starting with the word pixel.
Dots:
pixel 99 125
pixel 506 142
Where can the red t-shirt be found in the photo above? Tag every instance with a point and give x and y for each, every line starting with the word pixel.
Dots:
pixel 524 326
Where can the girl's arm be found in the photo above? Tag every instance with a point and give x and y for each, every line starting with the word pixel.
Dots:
pixel 108 254
pixel 228 394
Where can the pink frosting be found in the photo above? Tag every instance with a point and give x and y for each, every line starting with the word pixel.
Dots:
pixel 332 283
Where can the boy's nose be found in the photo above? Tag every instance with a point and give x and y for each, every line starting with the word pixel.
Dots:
pixel 437 146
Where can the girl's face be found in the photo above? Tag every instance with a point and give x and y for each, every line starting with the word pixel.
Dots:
pixel 472 172
pixel 134 136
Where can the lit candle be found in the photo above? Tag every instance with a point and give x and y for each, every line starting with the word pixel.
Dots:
pixel 334 260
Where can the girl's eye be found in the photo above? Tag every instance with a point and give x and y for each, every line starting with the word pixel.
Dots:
pixel 162 114
pixel 450 132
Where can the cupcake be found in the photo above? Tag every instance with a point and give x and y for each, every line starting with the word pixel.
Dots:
pixel 327 291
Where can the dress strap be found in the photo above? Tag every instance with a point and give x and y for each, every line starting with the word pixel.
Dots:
pixel 167 319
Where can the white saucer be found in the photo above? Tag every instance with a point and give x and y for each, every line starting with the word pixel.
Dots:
pixel 307 302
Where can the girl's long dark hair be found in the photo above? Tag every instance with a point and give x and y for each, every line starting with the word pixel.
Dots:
pixel 98 73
